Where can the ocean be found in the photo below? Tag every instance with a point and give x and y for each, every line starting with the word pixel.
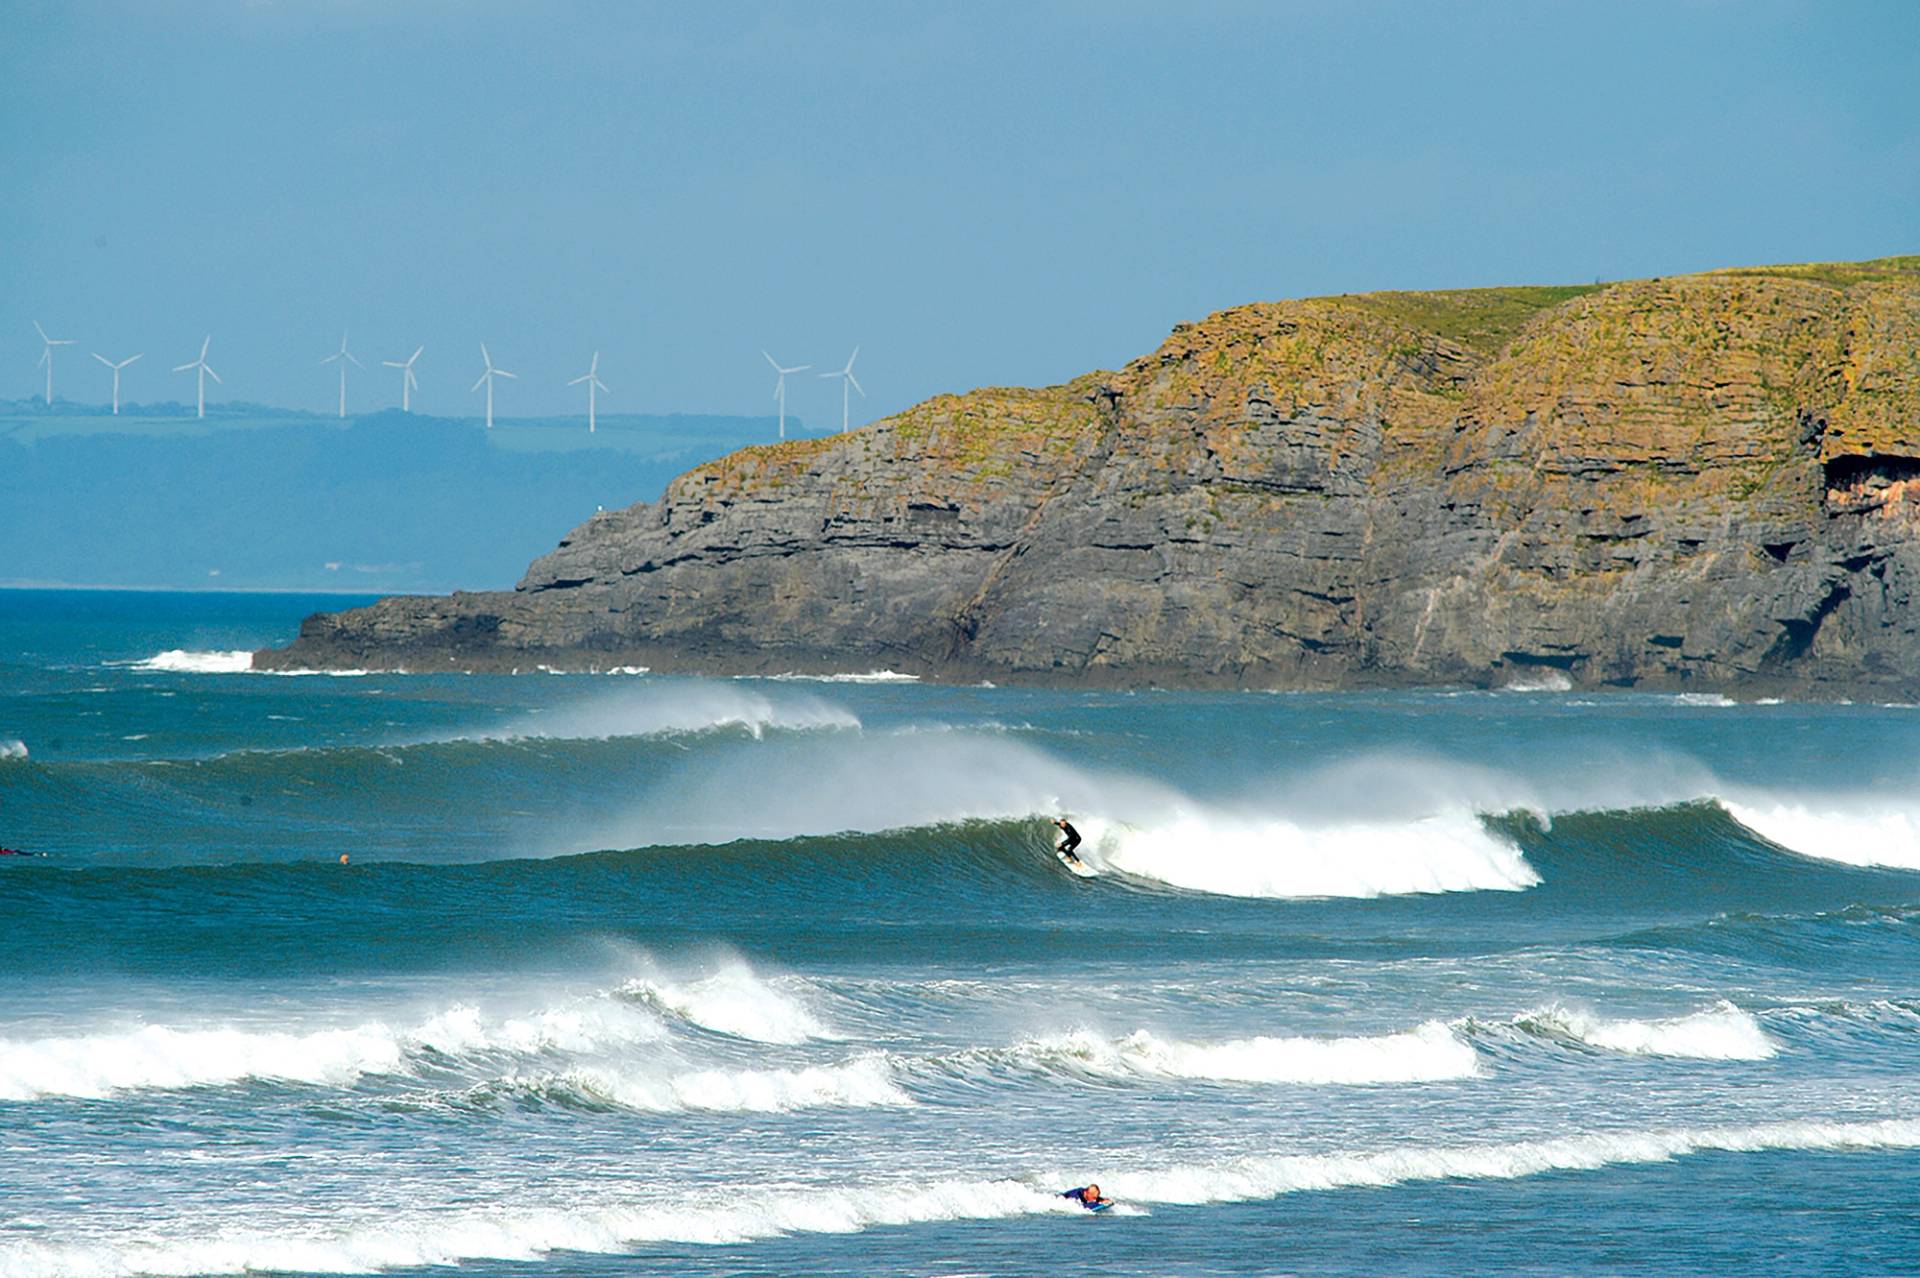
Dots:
pixel 622 974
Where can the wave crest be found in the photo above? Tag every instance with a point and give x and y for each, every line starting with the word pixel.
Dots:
pixel 1722 1032
pixel 1452 852
pixel 731 1000
pixel 1428 1053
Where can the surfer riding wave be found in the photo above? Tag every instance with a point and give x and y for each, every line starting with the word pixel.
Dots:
pixel 1070 839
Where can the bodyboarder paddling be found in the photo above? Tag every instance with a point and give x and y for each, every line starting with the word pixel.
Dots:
pixel 1088 1196
pixel 1069 841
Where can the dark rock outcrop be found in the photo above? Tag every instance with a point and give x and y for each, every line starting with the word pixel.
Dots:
pixel 1710 481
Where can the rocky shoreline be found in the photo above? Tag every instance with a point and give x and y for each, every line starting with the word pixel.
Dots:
pixel 1707 482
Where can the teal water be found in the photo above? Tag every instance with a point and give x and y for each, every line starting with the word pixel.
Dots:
pixel 628 974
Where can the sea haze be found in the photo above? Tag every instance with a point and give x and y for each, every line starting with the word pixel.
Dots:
pixel 268 499
pixel 648 975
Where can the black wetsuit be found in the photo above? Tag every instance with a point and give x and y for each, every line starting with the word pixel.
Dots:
pixel 1070 842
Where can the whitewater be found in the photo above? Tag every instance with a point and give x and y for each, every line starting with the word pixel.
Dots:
pixel 624 972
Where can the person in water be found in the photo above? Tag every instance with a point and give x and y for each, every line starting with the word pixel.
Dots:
pixel 1088 1196
pixel 1069 841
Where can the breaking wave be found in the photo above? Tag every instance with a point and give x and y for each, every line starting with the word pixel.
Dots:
pixel 1429 1053
pixel 861 1083
pixel 196 661
pixel 1722 1032
pixel 1230 856
pixel 217 661
pixel 1866 832
pixel 152 1057
pixel 1428 840
pixel 419 1237
pixel 668 709
pixel 463 1042
pixel 731 1001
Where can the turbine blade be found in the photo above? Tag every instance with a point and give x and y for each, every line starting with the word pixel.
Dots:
pixel 208 341
pixel 412 380
pixel 484 357
pixel 59 341
pixel 44 357
pixel 857 386
pixel 576 381
pixel 799 368
pixel 351 360
pixel 597 382
pixel 829 374
pixel 181 368
pixel 129 359
pixel 391 363
pixel 415 355
pixel 39 330
pixel 102 358
pixel 595 366
pixel 501 372
pixel 771 360
pixel 329 359
pixel 477 385
pixel 210 373
pixel 852 357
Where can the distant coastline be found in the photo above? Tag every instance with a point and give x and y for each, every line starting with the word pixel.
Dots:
pixel 1706 482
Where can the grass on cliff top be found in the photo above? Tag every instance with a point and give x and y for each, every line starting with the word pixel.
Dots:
pixel 1838 274
pixel 1480 319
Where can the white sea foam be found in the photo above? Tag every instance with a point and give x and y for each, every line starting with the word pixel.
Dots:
pixel 731 1000
pixel 1712 700
pixel 1239 856
pixel 1259 1177
pixel 1722 1032
pixel 107 1062
pixel 865 1082
pixel 664 709
pixel 195 661
pixel 1540 681
pixel 217 661
pixel 1430 1052
pixel 12 748
pixel 419 1237
pixel 871 676
pixel 1866 831
pixel 157 1056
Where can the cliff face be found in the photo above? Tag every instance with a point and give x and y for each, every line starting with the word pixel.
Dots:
pixel 1708 481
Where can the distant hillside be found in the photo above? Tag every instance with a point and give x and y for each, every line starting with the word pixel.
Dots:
pixel 1707 481
pixel 256 497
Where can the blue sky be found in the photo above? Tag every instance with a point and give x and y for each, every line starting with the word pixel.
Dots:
pixel 976 193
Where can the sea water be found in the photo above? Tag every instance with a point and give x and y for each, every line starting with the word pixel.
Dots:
pixel 643 975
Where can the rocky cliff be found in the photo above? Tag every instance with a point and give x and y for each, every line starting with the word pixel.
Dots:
pixel 1709 481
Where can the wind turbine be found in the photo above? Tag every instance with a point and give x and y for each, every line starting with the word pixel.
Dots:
pixel 847 379
pixel 205 372
pixel 592 378
pixel 342 358
pixel 780 387
pixel 46 355
pixel 407 380
pixel 116 375
pixel 488 377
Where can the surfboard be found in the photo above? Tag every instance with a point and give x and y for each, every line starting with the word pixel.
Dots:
pixel 1080 868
